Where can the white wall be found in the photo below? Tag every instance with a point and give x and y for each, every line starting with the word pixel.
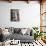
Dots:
pixel 29 14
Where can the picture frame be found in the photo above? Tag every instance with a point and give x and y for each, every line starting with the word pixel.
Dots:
pixel 14 14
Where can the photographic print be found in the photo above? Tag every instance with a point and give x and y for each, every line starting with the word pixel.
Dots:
pixel 14 14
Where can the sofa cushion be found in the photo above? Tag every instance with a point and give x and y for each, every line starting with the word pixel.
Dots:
pixel 17 30
pixel 23 31
pixel 22 38
pixel 11 30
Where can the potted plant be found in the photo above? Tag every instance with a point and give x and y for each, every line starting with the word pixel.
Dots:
pixel 37 33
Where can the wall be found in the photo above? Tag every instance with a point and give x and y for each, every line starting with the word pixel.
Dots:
pixel 29 14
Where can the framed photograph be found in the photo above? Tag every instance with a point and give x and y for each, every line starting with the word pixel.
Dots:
pixel 14 14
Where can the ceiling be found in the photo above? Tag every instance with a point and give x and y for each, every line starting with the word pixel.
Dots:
pixel 24 0
pixel 20 0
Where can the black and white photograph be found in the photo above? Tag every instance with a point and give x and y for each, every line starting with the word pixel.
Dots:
pixel 14 14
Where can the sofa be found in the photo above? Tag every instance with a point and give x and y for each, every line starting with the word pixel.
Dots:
pixel 22 34
pixel 17 34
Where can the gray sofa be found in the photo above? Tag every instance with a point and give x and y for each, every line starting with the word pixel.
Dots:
pixel 17 35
